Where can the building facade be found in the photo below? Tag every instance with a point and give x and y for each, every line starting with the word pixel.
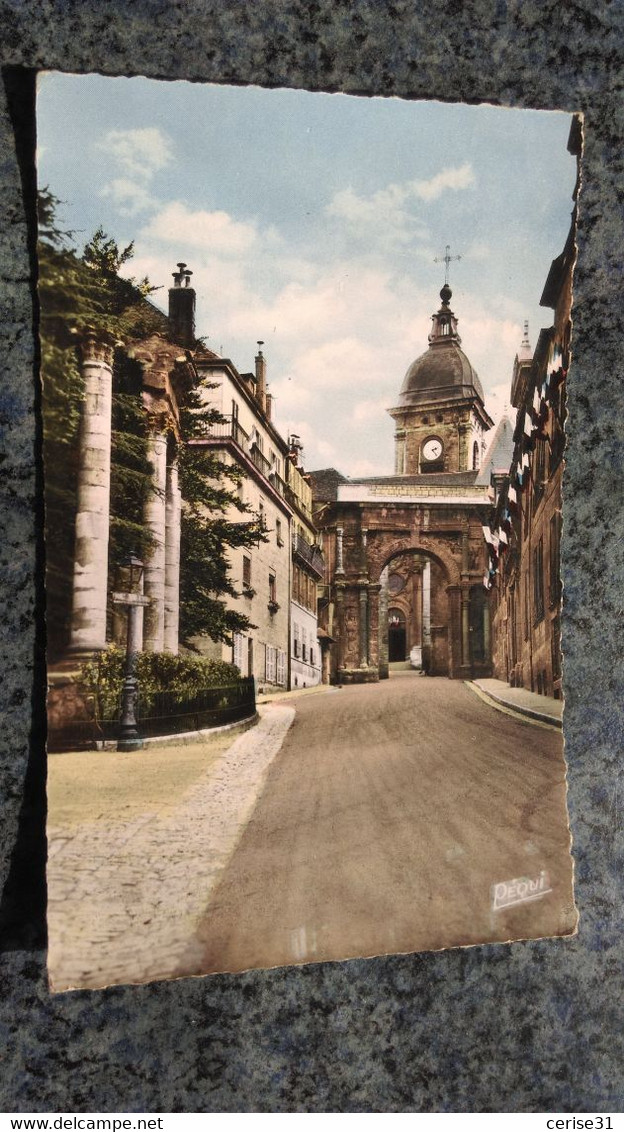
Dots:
pixel 404 553
pixel 524 536
pixel 275 580
pixel 247 439
pixel 307 568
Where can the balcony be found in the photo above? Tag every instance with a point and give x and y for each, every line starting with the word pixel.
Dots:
pixel 230 429
pixel 309 555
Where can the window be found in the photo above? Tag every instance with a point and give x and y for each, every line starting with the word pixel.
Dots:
pixel 540 470
pixel 281 667
pixel 235 412
pixel 554 567
pixel 278 532
pixel 237 652
pixel 311 655
pixel 296 640
pixel 246 572
pixel 304 643
pixel 270 664
pixel 538 582
pixel 272 588
pixel 475 456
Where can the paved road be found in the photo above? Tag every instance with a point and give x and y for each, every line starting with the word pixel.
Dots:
pixel 386 818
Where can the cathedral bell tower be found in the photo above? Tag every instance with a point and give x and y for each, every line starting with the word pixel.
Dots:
pixel 441 416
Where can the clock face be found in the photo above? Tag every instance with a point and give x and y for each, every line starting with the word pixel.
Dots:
pixel 432 449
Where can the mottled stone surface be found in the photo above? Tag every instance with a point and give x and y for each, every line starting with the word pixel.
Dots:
pixel 533 1026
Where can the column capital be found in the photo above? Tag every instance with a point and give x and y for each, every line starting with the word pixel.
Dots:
pixel 158 422
pixel 96 345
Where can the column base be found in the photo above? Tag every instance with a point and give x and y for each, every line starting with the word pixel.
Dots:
pixel 358 675
pixel 130 745
pixel 83 651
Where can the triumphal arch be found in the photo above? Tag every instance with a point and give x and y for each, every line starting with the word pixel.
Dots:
pixel 405 553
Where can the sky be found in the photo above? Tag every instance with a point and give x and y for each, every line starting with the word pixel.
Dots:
pixel 313 222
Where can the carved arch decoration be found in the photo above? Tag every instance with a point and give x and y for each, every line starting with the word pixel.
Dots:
pixel 382 551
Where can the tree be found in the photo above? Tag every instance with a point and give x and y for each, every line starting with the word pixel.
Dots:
pixel 207 532
pixel 85 290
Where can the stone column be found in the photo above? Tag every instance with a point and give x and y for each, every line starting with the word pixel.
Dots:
pixel 339 564
pixel 383 625
pixel 465 626
pixel 363 627
pixel 154 516
pixel 374 602
pixel 426 607
pixel 340 621
pixel 465 605
pixel 173 515
pixel 88 628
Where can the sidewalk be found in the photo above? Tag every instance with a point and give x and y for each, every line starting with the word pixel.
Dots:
pixel 544 709
pixel 137 846
pixel 280 694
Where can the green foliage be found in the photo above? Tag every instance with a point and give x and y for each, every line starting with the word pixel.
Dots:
pixel 182 676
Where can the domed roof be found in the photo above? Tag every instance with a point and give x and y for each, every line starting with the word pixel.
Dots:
pixel 443 372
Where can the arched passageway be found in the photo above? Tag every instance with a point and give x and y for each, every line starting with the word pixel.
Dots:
pixel 414 591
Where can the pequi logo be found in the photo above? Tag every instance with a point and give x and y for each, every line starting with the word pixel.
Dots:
pixel 519 891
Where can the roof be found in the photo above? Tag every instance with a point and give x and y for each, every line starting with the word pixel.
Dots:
pixel 500 450
pixel 325 483
pixel 431 479
pixel 443 372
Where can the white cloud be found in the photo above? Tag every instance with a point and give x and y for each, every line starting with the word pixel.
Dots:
pixel 458 177
pixel 390 212
pixel 215 232
pixel 128 196
pixel 369 411
pixel 138 153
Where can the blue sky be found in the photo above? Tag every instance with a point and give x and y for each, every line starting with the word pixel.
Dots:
pixel 312 221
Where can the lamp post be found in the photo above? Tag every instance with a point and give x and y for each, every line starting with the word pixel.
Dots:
pixel 129 739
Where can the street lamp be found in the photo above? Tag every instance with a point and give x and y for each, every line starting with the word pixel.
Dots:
pixel 129 739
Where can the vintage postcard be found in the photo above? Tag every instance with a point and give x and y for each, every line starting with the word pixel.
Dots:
pixel 303 362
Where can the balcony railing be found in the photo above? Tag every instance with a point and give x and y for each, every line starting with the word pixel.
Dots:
pixel 309 554
pixel 227 429
pixel 230 429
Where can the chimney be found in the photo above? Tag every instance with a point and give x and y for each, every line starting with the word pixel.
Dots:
pixel 295 448
pixel 261 393
pixel 182 307
pixel 269 405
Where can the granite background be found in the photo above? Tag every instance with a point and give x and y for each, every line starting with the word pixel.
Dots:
pixel 528 1027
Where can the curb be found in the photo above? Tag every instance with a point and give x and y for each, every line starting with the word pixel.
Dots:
pixel 516 709
pixel 184 737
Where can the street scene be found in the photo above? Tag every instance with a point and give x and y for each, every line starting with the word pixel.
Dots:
pixel 303 437
pixel 348 822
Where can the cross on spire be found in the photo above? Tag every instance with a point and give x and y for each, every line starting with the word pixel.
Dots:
pixel 446 259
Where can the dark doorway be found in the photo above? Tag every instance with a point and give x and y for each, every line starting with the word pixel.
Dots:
pixel 396 635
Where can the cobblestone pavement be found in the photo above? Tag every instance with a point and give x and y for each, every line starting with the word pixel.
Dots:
pixel 125 896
